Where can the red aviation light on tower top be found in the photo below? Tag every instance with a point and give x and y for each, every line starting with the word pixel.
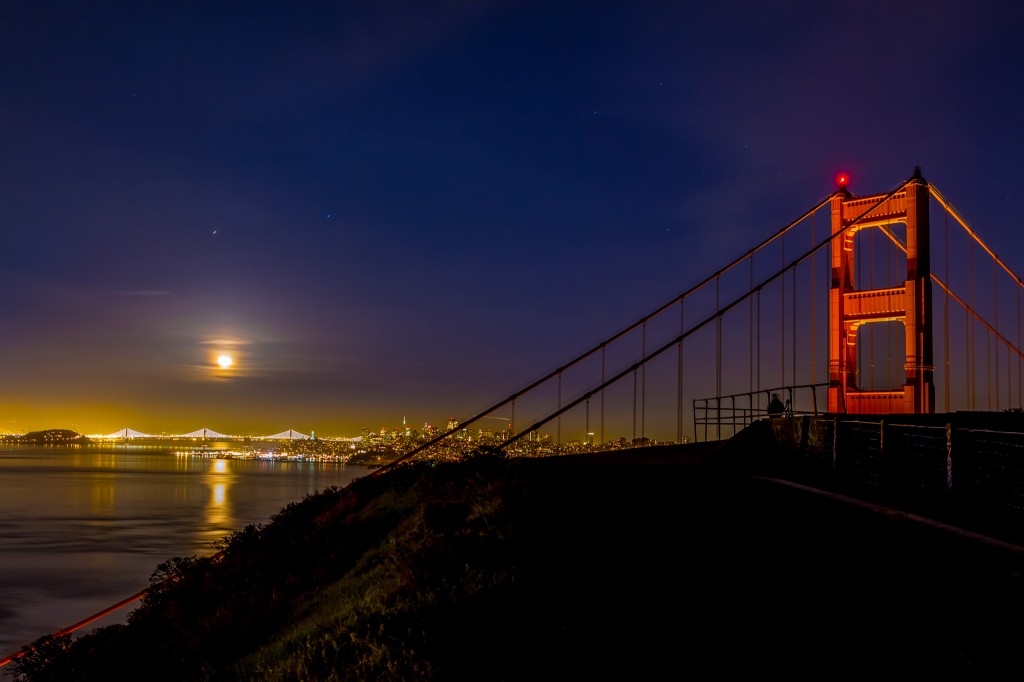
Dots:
pixel 842 179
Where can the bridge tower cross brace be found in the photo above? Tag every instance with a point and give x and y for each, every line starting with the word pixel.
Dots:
pixel 911 303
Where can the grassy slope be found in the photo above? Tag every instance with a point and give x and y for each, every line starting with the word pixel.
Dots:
pixel 567 568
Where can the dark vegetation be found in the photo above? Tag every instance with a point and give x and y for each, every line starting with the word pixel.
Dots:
pixel 50 437
pixel 631 565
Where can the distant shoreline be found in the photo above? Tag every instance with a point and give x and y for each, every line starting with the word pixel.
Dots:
pixel 48 437
pixel 67 437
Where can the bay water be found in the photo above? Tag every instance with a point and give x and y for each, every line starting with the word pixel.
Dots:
pixel 83 527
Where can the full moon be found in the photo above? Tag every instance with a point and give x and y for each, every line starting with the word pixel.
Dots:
pixel 224 361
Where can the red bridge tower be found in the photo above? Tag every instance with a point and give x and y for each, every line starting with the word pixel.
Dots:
pixel 911 303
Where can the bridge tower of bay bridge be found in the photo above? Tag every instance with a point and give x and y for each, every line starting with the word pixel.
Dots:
pixel 910 303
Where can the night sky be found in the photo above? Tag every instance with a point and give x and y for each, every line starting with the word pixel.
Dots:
pixel 388 209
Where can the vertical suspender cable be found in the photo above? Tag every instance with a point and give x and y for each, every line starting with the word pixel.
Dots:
pixel 634 407
pixel 718 340
pixel 558 427
pixel 995 303
pixel 988 371
pixel 643 380
pixel 782 318
pixel 758 334
pixel 813 275
pixel 679 379
pixel 603 348
pixel 969 373
pixel 974 238
pixel 586 431
pixel 750 328
pixel 889 255
pixel 970 330
pixel 792 317
pixel 857 282
pixel 945 308
pixel 871 285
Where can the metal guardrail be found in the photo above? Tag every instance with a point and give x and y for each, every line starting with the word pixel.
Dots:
pixel 967 461
pixel 729 414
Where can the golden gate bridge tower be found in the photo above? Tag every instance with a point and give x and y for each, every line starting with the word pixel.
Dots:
pixel 850 308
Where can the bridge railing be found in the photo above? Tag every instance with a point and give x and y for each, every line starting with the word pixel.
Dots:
pixel 966 464
pixel 728 414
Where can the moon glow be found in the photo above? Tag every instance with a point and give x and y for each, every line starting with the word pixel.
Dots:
pixel 224 361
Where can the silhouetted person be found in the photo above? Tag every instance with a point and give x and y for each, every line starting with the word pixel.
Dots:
pixel 789 408
pixel 775 407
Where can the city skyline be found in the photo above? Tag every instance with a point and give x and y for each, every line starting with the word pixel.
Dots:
pixel 325 215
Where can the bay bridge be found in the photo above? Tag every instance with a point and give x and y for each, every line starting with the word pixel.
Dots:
pixel 129 434
pixel 888 303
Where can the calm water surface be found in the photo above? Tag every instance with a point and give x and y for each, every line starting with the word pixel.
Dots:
pixel 82 528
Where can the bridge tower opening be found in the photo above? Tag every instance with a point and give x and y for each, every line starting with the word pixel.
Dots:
pixel 909 303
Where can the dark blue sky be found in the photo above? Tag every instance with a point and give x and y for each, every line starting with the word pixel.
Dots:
pixel 388 209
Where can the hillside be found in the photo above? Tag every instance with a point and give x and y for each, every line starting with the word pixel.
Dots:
pixel 51 437
pixel 634 565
